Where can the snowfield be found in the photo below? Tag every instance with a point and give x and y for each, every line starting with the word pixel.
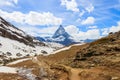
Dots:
pixel 17 49
pixel 54 45
pixel 5 69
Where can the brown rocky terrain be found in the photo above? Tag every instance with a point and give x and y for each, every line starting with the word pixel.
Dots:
pixel 99 60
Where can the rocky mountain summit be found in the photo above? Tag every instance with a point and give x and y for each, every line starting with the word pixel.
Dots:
pixel 60 36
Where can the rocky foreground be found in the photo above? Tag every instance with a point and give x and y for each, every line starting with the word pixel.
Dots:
pixel 99 60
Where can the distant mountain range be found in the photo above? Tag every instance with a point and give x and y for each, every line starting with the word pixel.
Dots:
pixel 62 37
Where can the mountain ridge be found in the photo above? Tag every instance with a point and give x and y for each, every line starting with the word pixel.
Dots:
pixel 10 31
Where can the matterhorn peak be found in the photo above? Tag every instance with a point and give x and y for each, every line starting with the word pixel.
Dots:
pixel 62 37
pixel 60 32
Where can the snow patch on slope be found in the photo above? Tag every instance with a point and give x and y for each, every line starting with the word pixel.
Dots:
pixel 5 69
pixel 63 49
pixel 54 45
pixel 66 48
pixel 15 47
pixel 19 61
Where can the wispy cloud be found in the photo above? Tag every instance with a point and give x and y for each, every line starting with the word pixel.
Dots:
pixel 89 8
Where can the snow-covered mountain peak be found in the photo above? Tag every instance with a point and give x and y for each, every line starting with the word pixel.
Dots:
pixel 61 37
pixel 60 32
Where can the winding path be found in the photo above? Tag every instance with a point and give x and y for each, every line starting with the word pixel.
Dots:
pixel 73 73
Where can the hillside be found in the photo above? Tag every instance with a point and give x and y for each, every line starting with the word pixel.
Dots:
pixel 99 60
pixel 15 43
pixel 8 30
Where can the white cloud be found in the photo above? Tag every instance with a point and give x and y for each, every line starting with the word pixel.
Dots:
pixel 8 3
pixel 80 35
pixel 105 31
pixel 38 31
pixel 89 20
pixel 35 18
pixel 90 8
pixel 115 28
pixel 14 16
pixel 70 5
pixel 90 34
pixel 81 13
pixel 32 18
pixel 15 1
pixel 5 3
pixel 71 29
pixel 86 5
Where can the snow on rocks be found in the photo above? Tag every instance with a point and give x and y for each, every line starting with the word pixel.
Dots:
pixel 15 47
pixel 27 73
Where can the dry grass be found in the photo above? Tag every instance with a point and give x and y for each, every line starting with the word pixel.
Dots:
pixel 102 61
pixel 63 55
pixel 4 76
pixel 27 64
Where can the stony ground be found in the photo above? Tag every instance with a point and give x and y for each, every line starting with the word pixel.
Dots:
pixel 99 60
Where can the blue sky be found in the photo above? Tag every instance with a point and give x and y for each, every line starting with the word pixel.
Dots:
pixel 81 18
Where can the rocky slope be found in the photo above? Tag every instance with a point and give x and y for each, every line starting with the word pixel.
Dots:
pixel 15 43
pixel 98 60
pixel 8 30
